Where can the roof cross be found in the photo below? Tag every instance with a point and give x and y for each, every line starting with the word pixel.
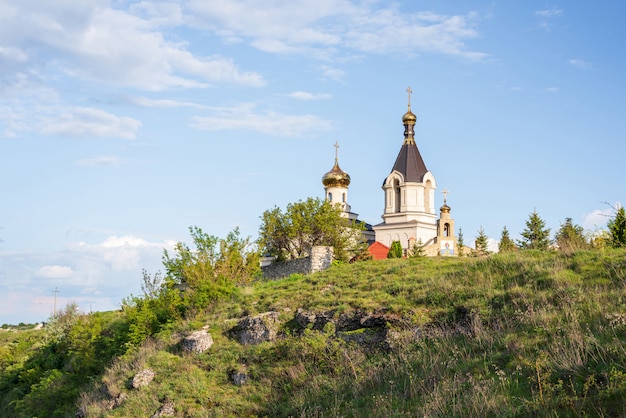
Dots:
pixel 445 195
pixel 336 150
pixel 409 91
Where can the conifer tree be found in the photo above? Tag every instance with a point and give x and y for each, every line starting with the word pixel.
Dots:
pixel 460 243
pixel 506 243
pixel 482 242
pixel 570 237
pixel 536 236
pixel 617 228
pixel 417 250
pixel 395 251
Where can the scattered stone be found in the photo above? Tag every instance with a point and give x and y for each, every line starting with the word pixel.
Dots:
pixel 197 342
pixel 239 376
pixel 166 410
pixel 253 330
pixel 143 378
pixel 115 402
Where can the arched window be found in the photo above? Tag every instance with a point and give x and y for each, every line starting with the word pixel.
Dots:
pixel 396 192
pixel 343 198
pixel 427 190
pixel 446 230
pixel 330 197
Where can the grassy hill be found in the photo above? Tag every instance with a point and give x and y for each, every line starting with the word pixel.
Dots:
pixel 518 334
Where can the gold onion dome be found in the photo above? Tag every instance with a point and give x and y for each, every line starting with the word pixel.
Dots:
pixel 336 177
pixel 445 208
pixel 409 118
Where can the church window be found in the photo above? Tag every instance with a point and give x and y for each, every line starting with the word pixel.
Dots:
pixel 330 197
pixel 396 192
pixel 446 230
pixel 343 198
pixel 427 190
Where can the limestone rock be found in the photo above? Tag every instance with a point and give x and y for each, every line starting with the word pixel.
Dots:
pixel 166 410
pixel 253 330
pixel 317 319
pixel 197 342
pixel 239 376
pixel 143 378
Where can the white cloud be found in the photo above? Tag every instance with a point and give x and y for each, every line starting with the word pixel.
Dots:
pixel 549 13
pixel 104 160
pixel 580 64
pixel 121 253
pixel 304 95
pixel 97 275
pixel 492 245
pixel 309 25
pixel 334 74
pixel 121 47
pixel 597 219
pixel 90 122
pixel 245 118
pixel 55 272
pixel 163 103
pixel 552 89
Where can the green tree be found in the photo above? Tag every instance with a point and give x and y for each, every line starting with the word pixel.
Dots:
pixel 617 228
pixel 460 243
pixel 233 259
pixel 570 237
pixel 417 250
pixel 395 250
pixel 506 243
pixel 536 236
pixel 304 224
pixel 482 242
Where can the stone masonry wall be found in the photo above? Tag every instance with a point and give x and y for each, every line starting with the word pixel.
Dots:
pixel 320 259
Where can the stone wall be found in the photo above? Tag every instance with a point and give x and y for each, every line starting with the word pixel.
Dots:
pixel 320 259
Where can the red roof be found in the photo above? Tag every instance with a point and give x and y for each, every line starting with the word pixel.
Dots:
pixel 378 250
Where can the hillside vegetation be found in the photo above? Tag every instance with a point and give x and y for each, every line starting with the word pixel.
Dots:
pixel 525 333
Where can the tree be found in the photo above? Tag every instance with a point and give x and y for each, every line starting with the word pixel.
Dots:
pixel 506 243
pixel 395 250
pixel 233 259
pixel 291 234
pixel 536 236
pixel 482 242
pixel 570 237
pixel 460 243
pixel 417 250
pixel 617 228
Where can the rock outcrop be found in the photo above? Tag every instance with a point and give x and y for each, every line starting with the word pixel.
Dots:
pixel 166 410
pixel 143 378
pixel 253 330
pixel 197 342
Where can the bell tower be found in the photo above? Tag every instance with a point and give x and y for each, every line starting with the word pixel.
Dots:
pixel 409 190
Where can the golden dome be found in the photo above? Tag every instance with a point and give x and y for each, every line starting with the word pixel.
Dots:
pixel 409 118
pixel 336 177
pixel 445 208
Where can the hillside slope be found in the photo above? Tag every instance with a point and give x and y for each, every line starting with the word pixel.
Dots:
pixel 518 334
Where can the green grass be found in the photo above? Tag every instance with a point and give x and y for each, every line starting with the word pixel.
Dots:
pixel 520 334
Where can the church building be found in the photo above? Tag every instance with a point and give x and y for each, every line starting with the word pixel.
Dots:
pixel 409 215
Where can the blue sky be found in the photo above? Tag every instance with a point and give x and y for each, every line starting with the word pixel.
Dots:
pixel 123 123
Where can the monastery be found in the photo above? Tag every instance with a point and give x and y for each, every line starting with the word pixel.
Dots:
pixel 409 203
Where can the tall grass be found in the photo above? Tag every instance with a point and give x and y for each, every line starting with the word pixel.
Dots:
pixel 520 334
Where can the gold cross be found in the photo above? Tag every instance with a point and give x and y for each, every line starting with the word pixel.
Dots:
pixel 409 91
pixel 445 195
pixel 336 150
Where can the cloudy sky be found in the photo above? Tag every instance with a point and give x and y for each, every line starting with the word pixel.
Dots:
pixel 123 123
